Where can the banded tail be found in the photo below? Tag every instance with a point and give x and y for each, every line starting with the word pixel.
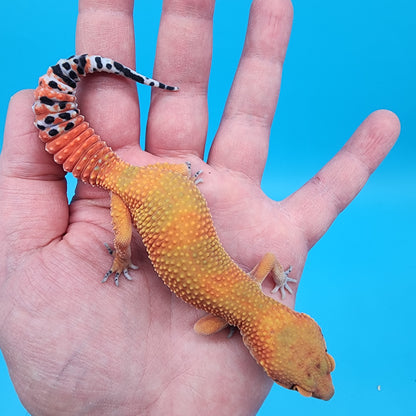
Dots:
pixel 67 135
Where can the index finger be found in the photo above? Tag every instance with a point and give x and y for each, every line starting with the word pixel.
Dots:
pixel 109 102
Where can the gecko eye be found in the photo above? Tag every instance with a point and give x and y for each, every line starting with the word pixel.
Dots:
pixel 331 362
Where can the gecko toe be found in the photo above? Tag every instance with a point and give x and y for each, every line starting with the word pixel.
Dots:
pixel 127 275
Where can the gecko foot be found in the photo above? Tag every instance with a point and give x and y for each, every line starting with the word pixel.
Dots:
pixel 282 280
pixel 119 266
pixel 196 177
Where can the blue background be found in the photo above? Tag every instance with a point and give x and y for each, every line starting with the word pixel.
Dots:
pixel 345 59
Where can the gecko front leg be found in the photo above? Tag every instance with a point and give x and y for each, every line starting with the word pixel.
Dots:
pixel 270 264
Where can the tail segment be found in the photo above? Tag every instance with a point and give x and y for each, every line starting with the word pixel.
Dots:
pixel 67 135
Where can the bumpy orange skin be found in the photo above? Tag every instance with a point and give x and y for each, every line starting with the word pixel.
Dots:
pixel 175 224
pixel 173 219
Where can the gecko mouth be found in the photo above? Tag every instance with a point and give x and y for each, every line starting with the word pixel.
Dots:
pixel 302 391
pixel 306 393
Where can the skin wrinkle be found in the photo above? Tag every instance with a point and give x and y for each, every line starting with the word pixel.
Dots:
pixel 182 154
pixel 261 45
pixel 176 139
pixel 197 19
pixel 104 11
pixel 185 71
pixel 120 25
pixel 239 154
pixel 194 65
pixel 376 134
pixel 323 188
pixel 247 117
pixel 189 9
pixel 360 162
pixel 163 389
pixel 319 188
pixel 21 235
pixel 275 65
pixel 282 208
pixel 259 106
pixel 123 6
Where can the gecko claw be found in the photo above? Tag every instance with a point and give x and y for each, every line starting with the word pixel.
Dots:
pixel 109 249
pixel 116 278
pixel 106 276
pixel 197 179
pixel 126 274
pixel 231 332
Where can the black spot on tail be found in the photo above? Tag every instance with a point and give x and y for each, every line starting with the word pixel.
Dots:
pixel 128 73
pixel 69 126
pixel 73 75
pixel 49 119
pixel 58 72
pixel 82 63
pixel 99 62
pixel 54 85
pixel 65 116
pixel 46 100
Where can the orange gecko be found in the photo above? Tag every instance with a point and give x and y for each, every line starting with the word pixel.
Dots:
pixel 172 217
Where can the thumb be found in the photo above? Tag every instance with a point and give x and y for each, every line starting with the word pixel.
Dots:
pixel 33 201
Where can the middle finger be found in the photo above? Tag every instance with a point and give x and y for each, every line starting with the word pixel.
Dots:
pixel 178 122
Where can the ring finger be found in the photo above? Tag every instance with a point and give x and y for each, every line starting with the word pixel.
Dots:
pixel 245 126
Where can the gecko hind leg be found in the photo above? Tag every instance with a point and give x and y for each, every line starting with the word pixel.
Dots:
pixel 122 239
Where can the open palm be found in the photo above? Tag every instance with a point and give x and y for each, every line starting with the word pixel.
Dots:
pixel 76 346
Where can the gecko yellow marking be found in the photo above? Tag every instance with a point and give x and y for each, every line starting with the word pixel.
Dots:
pixel 174 222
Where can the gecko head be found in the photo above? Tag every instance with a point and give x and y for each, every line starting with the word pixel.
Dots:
pixel 293 353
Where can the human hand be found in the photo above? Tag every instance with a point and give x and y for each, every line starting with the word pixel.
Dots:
pixel 74 345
